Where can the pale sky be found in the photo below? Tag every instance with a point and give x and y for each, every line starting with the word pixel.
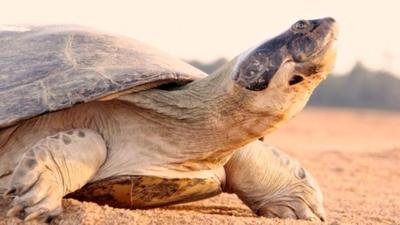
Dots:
pixel 209 29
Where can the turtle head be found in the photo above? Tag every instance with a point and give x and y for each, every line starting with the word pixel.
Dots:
pixel 281 73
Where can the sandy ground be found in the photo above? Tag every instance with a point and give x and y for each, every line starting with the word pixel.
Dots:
pixel 354 155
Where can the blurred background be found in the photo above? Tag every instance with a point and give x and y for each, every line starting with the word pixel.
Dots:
pixel 349 135
pixel 207 33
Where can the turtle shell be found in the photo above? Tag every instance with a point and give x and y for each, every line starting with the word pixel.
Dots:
pixel 44 69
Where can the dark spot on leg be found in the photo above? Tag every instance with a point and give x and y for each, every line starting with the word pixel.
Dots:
pixel 276 153
pixel 20 173
pixel 70 132
pixel 30 153
pixel 31 163
pixel 286 161
pixel 81 134
pixel 300 173
pixel 66 139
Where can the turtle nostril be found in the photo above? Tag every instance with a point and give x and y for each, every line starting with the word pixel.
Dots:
pixel 331 20
pixel 295 79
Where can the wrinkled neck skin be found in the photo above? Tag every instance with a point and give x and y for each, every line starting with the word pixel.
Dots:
pixel 208 118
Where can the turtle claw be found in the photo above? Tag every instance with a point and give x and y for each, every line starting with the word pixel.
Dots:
pixel 15 210
pixel 292 209
pixel 41 201
pixel 34 215
pixel 46 172
pixel 42 214
pixel 36 192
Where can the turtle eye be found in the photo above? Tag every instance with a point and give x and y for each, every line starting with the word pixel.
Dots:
pixel 295 80
pixel 301 25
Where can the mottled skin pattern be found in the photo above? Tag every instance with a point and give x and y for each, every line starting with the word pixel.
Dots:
pixel 148 191
pixel 179 145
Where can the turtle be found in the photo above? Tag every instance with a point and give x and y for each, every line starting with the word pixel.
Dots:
pixel 99 117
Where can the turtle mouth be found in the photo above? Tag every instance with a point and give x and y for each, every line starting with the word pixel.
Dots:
pixel 327 55
pixel 327 32
pixel 320 64
pixel 324 59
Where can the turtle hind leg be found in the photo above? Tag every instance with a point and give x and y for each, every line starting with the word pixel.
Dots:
pixel 272 184
pixel 54 167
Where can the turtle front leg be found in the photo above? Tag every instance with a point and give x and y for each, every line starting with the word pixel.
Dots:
pixel 272 184
pixel 55 166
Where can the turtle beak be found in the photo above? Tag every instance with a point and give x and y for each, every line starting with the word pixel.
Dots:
pixel 321 63
pixel 331 26
pixel 328 52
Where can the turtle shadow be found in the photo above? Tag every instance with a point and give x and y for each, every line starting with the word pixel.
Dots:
pixel 216 210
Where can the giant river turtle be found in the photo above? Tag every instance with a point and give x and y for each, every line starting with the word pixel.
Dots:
pixel 104 118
